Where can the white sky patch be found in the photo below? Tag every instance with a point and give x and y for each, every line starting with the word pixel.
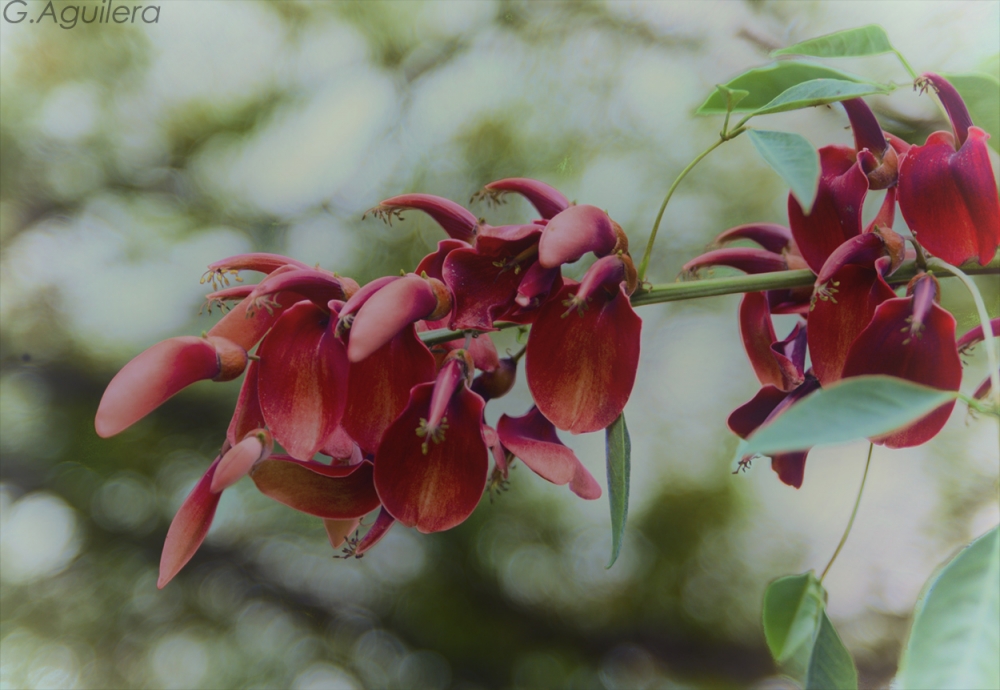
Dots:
pixel 38 537
pixel 307 152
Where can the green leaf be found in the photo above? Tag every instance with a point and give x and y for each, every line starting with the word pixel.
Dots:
pixel 819 92
pixel 851 409
pixel 792 606
pixel 955 640
pixel 867 40
pixel 800 636
pixel 619 458
pixel 731 96
pixel 793 158
pixel 830 666
pixel 764 84
pixel 981 93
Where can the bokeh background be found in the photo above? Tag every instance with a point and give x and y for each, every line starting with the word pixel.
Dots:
pixel 134 155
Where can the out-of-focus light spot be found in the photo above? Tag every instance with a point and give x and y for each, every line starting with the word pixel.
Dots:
pixel 179 661
pixel 425 669
pixel 38 538
pixel 324 676
pixel 125 503
pixel 24 400
pixel 29 662
pixel 306 153
pixel 629 667
pixel 377 655
pixel 444 17
pixel 70 112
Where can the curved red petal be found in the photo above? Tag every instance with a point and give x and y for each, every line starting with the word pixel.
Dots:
pixel 433 263
pixel 153 377
pixel 575 232
pixel 437 489
pixel 961 121
pixel 949 199
pixel 584 485
pixel 189 527
pixel 790 467
pixel 457 221
pixel 302 380
pixel 254 261
pixel 771 365
pixel 746 418
pixel 546 199
pixel 927 356
pixel 533 438
pixel 247 322
pixel 397 305
pixel 236 462
pixel 379 387
pixel 329 492
pixel 581 368
pixel 774 238
pixel 337 531
pixel 312 284
pixel 375 533
pixel 747 259
pixel 976 335
pixel 484 287
pixel 842 312
pixel 247 415
pixel 836 213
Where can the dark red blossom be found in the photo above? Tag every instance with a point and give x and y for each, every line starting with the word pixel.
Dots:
pixel 911 338
pixel 947 191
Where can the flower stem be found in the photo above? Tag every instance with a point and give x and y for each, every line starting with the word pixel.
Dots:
pixel 990 341
pixel 906 65
pixel 723 138
pixel 850 523
pixel 710 287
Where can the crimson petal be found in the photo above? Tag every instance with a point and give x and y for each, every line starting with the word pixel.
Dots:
pixel 575 232
pixel 533 439
pixel 379 387
pixel 302 380
pixel 153 377
pixel 437 489
pixel 840 313
pixel 949 197
pixel 387 312
pixel 836 213
pixel 926 356
pixel 327 491
pixel 546 199
pixel 189 527
pixel 581 368
pixel 772 366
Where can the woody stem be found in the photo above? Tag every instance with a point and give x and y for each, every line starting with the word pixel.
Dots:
pixel 710 287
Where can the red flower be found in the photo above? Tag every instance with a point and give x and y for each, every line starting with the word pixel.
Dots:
pixel 912 338
pixel 583 350
pixel 846 175
pixel 947 192
pixel 431 467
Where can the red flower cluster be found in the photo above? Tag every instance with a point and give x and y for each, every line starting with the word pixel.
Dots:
pixel 851 320
pixel 367 415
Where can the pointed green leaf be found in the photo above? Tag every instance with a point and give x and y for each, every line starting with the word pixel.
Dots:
pixel 819 92
pixel 793 158
pixel 955 640
pixel 849 410
pixel 830 666
pixel 764 84
pixel 792 606
pixel 981 93
pixel 619 459
pixel 866 40
pixel 731 96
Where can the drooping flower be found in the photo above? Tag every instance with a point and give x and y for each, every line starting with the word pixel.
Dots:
pixel 846 175
pixel 947 191
pixel 432 464
pixel 583 350
pixel 911 338
pixel 779 366
pixel 534 440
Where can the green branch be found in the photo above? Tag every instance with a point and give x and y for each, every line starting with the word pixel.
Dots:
pixel 711 287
